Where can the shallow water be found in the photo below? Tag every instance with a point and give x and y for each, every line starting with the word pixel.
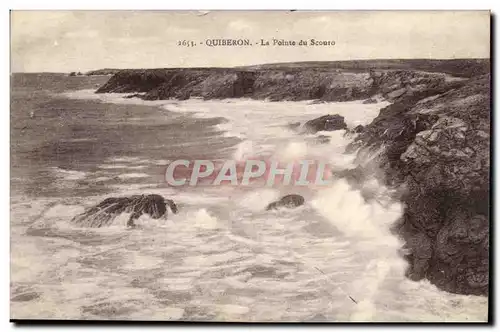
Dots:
pixel 223 257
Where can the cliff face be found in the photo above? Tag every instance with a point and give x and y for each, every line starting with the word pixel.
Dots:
pixel 222 83
pixel 326 81
pixel 438 149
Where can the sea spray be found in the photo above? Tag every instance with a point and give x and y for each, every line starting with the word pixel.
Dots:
pixel 368 224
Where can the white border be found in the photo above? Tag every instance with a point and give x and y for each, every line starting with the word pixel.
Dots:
pixel 190 5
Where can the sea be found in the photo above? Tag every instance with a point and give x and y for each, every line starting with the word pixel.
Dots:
pixel 223 257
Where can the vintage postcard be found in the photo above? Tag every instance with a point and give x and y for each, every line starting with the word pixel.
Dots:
pixel 250 166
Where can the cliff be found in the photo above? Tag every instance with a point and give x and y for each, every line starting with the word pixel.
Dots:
pixel 437 149
pixel 330 81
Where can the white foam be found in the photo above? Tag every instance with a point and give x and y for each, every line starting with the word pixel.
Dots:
pixel 350 213
pixel 202 219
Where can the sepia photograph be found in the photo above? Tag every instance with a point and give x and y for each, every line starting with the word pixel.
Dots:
pixel 250 166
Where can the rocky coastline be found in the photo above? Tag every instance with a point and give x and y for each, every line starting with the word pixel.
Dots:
pixel 432 142
pixel 437 150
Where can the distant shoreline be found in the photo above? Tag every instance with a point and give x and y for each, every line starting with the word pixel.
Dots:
pixel 393 63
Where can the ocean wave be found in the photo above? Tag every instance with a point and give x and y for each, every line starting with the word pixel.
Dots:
pixel 335 256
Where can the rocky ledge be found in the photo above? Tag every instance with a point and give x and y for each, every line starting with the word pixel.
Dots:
pixel 435 145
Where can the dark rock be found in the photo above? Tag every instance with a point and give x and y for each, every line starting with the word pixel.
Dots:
pixel 438 149
pixel 288 201
pixel 103 213
pixel 326 123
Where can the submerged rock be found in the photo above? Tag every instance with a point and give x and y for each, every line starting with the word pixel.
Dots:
pixel 288 201
pixel 326 123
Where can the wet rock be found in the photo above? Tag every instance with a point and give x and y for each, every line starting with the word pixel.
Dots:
pixel 106 211
pixel 288 201
pixel 326 123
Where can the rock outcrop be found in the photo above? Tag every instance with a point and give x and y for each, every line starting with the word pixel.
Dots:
pixel 106 211
pixel 288 201
pixel 438 149
pixel 325 123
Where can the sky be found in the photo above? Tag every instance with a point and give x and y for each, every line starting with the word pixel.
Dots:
pixel 64 41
